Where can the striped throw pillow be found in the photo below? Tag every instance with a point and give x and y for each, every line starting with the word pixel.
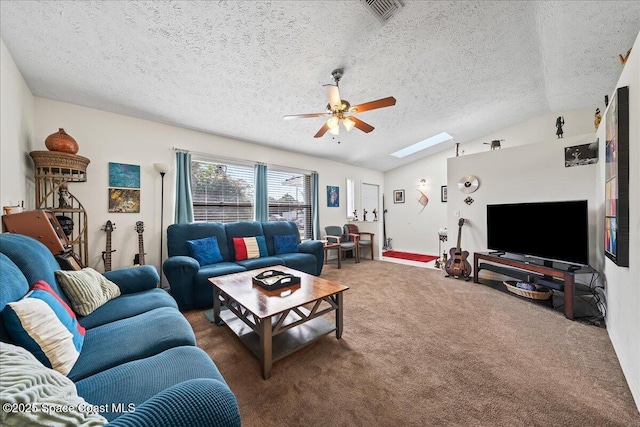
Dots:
pixel 43 323
pixel 86 289
pixel 249 247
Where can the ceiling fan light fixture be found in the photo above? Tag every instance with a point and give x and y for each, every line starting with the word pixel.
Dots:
pixel 333 123
pixel 348 123
pixel 334 131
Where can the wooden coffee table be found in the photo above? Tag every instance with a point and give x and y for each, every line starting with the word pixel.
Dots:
pixel 272 324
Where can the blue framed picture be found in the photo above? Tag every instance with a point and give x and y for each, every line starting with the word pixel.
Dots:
pixel 333 196
pixel 122 175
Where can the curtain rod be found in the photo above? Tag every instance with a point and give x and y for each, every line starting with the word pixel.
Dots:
pixel 233 159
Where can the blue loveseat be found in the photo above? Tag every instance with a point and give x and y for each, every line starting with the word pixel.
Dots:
pixel 189 280
pixel 138 348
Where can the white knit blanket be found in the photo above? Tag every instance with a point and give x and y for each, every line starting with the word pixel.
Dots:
pixel 33 395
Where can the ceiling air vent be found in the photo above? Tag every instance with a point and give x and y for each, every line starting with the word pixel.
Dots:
pixel 382 9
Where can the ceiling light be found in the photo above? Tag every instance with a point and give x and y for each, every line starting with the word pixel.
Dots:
pixel 418 146
pixel 333 123
pixel 348 123
pixel 334 131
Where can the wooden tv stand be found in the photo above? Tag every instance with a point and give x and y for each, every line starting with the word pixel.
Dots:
pixel 554 278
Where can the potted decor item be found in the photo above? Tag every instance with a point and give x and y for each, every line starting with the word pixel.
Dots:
pixel 61 141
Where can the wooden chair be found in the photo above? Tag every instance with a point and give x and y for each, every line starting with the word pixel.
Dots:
pixel 352 232
pixel 335 240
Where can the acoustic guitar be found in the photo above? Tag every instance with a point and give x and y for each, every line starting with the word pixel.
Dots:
pixel 457 264
pixel 106 255
pixel 139 258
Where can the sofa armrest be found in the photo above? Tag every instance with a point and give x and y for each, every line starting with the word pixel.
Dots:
pixel 314 247
pixel 180 272
pixel 134 279
pixel 197 402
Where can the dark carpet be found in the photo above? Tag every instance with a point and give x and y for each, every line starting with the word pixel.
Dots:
pixel 422 350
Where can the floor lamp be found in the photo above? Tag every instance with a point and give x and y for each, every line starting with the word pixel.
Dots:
pixel 163 168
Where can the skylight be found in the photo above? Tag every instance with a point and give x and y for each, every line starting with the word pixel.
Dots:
pixel 418 146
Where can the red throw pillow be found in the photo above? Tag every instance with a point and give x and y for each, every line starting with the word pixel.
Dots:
pixel 249 247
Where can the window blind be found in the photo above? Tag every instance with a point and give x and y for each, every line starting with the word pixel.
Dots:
pixel 222 192
pixel 290 199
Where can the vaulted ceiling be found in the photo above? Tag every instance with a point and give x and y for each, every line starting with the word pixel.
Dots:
pixel 234 68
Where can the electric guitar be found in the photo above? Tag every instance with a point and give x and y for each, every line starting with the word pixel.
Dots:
pixel 106 255
pixel 139 258
pixel 457 264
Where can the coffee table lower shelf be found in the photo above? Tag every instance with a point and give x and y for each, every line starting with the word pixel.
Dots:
pixel 285 342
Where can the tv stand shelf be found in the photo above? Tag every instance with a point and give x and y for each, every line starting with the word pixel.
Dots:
pixel 559 279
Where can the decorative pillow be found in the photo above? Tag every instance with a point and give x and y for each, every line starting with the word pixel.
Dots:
pixel 26 383
pixel 206 251
pixel 285 244
pixel 86 289
pixel 44 324
pixel 250 247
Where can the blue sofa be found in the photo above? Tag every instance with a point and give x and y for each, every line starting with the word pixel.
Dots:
pixel 138 348
pixel 189 280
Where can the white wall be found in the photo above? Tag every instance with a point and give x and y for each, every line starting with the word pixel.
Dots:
pixel 526 173
pixel 106 137
pixel 623 283
pixel 417 231
pixel 16 135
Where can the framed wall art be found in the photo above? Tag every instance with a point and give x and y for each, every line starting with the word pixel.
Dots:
pixel 398 196
pixel 443 193
pixel 123 175
pixel 579 155
pixel 333 196
pixel 122 200
pixel 616 185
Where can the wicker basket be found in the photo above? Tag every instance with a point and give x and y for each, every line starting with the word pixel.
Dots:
pixel 539 294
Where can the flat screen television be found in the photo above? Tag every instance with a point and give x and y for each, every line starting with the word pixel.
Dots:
pixel 552 231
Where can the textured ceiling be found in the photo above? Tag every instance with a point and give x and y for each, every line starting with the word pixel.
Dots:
pixel 235 68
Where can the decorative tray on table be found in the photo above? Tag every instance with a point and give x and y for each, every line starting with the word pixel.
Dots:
pixel 274 279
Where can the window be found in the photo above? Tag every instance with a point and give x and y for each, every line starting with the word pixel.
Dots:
pixel 221 192
pixel 290 199
pixel 224 192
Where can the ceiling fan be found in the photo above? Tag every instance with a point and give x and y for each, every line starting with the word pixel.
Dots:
pixel 340 111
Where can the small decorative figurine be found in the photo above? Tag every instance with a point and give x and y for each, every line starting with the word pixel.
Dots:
pixel 597 119
pixel 494 144
pixel 375 214
pixel 559 124
pixel 364 214
pixel 355 215
pixel 623 59
pixel 64 197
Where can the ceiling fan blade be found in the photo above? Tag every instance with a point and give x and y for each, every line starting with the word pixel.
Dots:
pixel 379 103
pixel 306 116
pixel 333 96
pixel 322 131
pixel 364 127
